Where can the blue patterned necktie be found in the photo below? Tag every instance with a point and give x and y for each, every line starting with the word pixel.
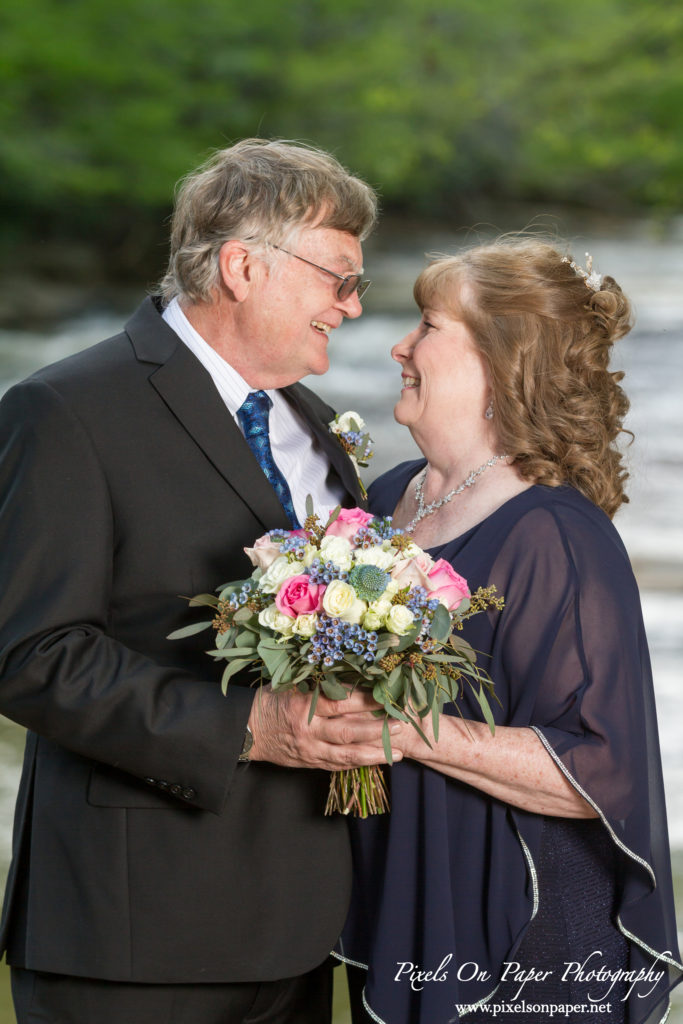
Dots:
pixel 253 416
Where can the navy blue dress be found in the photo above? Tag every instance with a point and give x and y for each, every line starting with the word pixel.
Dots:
pixel 496 904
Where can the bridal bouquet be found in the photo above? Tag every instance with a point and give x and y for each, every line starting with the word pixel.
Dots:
pixel 352 602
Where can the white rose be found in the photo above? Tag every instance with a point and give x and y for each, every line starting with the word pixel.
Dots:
pixel 371 620
pixel 374 556
pixel 399 619
pixel 338 598
pixel 337 550
pixel 305 625
pixel 276 573
pixel 381 607
pixel 344 422
pixel 272 618
pixel 392 588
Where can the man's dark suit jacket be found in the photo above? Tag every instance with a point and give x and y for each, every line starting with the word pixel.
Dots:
pixel 142 850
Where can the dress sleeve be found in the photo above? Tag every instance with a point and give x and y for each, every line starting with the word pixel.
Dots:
pixel 571 648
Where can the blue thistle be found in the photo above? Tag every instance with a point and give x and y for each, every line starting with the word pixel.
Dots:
pixel 369 581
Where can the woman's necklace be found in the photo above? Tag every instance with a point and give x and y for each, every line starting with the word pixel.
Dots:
pixel 426 510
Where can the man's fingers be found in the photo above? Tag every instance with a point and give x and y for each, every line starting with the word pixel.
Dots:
pixel 358 701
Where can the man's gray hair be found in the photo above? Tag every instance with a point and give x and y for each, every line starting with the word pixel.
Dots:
pixel 259 191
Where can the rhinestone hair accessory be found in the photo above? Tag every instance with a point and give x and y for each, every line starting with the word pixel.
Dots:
pixel 591 278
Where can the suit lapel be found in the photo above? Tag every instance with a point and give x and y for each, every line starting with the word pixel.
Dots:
pixel 188 391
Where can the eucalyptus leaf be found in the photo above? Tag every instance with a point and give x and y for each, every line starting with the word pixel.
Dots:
pixel 314 704
pixel 465 650
pixel 229 671
pixel 243 615
pixel 206 600
pixel 332 689
pixel 441 625
pixel 333 516
pixel 272 659
pixel 436 718
pixel 419 692
pixel 486 710
pixel 282 674
pixel 386 741
pixel 234 652
pixel 195 627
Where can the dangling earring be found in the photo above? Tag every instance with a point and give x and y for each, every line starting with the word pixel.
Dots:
pixel 489 411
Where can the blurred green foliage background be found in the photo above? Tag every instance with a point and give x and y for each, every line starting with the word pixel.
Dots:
pixel 439 103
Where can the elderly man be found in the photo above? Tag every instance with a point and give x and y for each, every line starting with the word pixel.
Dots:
pixel 171 859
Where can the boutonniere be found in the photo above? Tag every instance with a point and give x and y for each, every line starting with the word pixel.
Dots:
pixel 350 430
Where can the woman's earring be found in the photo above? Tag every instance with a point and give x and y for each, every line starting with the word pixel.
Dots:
pixel 489 412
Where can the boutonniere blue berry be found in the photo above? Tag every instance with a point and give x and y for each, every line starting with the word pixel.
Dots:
pixel 350 429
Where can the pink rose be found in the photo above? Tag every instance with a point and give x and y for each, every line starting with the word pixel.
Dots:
pixel 348 523
pixel 263 552
pixel 444 583
pixel 298 596
pixel 413 572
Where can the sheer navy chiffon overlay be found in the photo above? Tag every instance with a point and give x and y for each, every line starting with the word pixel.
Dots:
pixel 460 884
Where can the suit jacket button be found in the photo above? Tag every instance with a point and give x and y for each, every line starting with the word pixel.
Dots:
pixel 175 789
pixel 188 793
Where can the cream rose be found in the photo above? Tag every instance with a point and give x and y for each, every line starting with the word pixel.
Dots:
pixel 337 550
pixel 371 620
pixel 340 602
pixel 276 573
pixel 338 598
pixel 400 619
pixel 374 556
pixel 272 618
pixel 305 625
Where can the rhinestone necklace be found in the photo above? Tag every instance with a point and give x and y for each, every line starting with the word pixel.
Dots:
pixel 426 510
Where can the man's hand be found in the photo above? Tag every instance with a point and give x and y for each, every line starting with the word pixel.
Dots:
pixel 342 733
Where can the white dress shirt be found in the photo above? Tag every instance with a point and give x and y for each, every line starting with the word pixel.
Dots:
pixel 300 461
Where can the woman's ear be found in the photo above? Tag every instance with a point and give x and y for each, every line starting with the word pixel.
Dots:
pixel 236 264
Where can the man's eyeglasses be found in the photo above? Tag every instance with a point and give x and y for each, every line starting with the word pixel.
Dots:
pixel 349 284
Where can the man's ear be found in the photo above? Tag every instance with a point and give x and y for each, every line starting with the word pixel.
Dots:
pixel 237 268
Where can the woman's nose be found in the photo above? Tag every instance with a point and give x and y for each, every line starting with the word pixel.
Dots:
pixel 403 349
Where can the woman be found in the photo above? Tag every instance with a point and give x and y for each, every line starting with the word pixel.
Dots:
pixel 528 870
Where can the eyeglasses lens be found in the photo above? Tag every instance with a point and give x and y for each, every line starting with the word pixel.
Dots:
pixel 353 284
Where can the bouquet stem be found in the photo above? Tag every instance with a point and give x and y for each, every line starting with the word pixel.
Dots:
pixel 358 791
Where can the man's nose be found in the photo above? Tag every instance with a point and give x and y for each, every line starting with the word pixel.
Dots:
pixel 350 306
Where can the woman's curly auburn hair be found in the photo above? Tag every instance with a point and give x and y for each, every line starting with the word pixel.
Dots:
pixel 546 338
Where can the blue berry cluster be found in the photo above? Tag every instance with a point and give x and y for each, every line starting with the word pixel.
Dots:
pixel 420 602
pixel 375 532
pixel 294 545
pixel 240 597
pixel 325 572
pixel 334 638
